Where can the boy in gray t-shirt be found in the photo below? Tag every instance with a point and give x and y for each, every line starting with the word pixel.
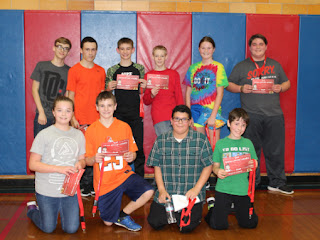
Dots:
pixel 49 81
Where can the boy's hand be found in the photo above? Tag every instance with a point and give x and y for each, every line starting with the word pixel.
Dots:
pixel 75 123
pixel 99 157
pixel 129 156
pixel 192 193
pixel 42 119
pixel 80 165
pixel 256 163
pixel 246 88
pixel 163 196
pixel 143 83
pixel 112 85
pixel 211 121
pixel 276 88
pixel 222 174
pixel 154 91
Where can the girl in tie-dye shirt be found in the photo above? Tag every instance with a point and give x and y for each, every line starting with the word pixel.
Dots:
pixel 205 83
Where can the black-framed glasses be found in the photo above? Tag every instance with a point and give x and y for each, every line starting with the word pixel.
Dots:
pixel 184 120
pixel 66 49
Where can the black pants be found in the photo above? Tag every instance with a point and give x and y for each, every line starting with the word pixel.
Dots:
pixel 137 131
pixel 268 133
pixel 158 218
pixel 86 181
pixel 217 217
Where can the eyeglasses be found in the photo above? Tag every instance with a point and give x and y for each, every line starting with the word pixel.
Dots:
pixel 184 120
pixel 66 49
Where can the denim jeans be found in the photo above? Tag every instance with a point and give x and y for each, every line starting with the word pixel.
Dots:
pixel 47 216
pixel 162 127
pixel 38 127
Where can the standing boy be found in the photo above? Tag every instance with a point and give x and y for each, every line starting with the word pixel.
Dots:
pixel 267 129
pixel 128 101
pixel 85 81
pixel 118 178
pixel 232 189
pixel 49 81
pixel 182 161
pixel 163 100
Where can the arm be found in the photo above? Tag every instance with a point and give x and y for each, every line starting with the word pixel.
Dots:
pixel 110 83
pixel 74 121
pixel 81 163
pixel 212 119
pixel 188 94
pixel 234 88
pixel 178 91
pixel 163 194
pixel 147 98
pixel 221 173
pixel 36 165
pixel 277 88
pixel 194 192
pixel 42 119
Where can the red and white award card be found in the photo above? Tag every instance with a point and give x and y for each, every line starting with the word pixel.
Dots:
pixel 71 182
pixel 115 148
pixel 237 164
pixel 127 82
pixel 262 86
pixel 157 80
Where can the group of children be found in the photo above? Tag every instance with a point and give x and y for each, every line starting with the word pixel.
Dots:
pixel 111 115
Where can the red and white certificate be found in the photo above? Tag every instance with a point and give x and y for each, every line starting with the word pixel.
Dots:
pixel 71 182
pixel 115 148
pixel 157 80
pixel 237 164
pixel 262 86
pixel 127 82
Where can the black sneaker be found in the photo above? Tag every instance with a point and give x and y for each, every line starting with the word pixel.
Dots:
pixel 85 193
pixel 283 189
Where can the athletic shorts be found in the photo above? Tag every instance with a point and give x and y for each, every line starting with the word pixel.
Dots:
pixel 200 114
pixel 109 204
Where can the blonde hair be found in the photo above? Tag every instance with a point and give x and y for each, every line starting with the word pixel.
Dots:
pixel 159 47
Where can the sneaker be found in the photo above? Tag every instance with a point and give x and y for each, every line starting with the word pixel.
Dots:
pixel 93 192
pixel 283 189
pixel 32 205
pixel 128 223
pixel 210 202
pixel 85 193
pixel 208 185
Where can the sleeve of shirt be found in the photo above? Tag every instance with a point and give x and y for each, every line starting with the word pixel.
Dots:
pixel 82 144
pixel 252 151
pixel 147 99
pixel 177 90
pixel 187 78
pixel 38 144
pixel 222 80
pixel 71 85
pixel 282 75
pixel 36 74
pixel 206 153
pixel 132 143
pixel 108 76
pixel 154 156
pixel 90 148
pixel 103 82
pixel 142 72
pixel 234 76
pixel 217 154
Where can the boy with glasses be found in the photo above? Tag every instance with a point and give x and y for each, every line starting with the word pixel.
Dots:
pixel 49 81
pixel 182 161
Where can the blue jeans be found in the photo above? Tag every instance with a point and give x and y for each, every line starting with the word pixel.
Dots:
pixel 38 127
pixel 47 216
pixel 162 127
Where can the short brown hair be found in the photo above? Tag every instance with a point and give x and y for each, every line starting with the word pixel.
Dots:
pixel 159 47
pixel 238 113
pixel 62 99
pixel 105 95
pixel 258 35
pixel 208 39
pixel 63 40
pixel 125 40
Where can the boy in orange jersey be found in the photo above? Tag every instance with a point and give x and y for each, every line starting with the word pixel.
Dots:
pixel 118 178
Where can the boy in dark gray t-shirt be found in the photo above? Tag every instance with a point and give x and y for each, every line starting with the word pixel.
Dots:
pixel 49 81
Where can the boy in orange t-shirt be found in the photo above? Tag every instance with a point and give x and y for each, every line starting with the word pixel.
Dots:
pixel 118 178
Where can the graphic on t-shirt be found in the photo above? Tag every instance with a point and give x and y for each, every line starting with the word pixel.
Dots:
pixel 268 70
pixel 64 153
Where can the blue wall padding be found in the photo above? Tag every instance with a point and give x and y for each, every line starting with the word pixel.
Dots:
pixel 107 28
pixel 228 32
pixel 308 114
pixel 12 94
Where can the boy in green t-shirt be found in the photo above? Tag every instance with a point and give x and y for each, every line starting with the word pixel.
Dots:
pixel 232 189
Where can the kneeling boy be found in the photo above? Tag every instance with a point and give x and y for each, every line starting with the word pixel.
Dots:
pixel 118 178
pixel 232 189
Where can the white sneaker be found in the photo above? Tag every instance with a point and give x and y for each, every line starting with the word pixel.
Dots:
pixel 283 189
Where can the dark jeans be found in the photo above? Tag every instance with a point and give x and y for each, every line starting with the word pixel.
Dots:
pixel 158 217
pixel 137 131
pixel 268 133
pixel 38 127
pixel 217 217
